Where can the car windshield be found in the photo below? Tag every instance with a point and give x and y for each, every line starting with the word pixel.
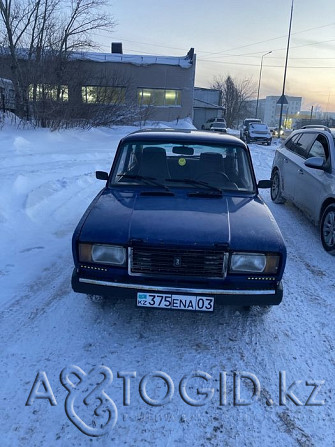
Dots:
pixel 218 124
pixel 176 165
pixel 259 127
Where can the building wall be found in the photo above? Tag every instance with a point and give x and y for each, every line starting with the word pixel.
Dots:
pixel 272 109
pixel 134 77
pixel 251 106
pixel 207 104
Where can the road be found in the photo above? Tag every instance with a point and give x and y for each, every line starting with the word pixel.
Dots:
pixel 47 329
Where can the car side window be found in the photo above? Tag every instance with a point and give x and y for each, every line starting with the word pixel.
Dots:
pixel 291 142
pixel 301 146
pixel 319 148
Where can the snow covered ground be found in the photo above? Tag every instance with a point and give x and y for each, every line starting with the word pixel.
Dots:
pixel 47 179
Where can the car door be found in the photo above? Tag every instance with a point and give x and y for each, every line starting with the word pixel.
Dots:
pixel 311 184
pixel 294 154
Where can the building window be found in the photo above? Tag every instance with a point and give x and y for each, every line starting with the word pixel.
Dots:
pixel 159 97
pixel 44 92
pixel 92 94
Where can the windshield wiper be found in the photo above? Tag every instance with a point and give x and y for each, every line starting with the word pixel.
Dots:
pixel 195 182
pixel 147 180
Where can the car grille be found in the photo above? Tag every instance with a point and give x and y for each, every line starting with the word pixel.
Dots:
pixel 176 261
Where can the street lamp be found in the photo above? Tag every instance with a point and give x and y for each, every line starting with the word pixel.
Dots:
pixel 259 81
pixel 282 100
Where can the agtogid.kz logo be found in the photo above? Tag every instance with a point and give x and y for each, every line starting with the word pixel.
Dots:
pixel 87 393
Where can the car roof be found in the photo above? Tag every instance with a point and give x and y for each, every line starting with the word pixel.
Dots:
pixel 183 136
pixel 316 126
pixel 323 129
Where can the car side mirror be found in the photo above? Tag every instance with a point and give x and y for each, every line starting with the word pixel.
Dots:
pixel 264 184
pixel 101 175
pixel 315 163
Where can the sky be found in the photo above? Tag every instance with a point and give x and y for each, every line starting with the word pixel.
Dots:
pixel 231 38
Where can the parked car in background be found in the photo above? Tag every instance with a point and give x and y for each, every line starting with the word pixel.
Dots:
pixel 179 224
pixel 259 133
pixel 216 125
pixel 303 172
pixel 244 129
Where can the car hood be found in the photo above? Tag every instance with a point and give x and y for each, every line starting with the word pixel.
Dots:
pixel 129 217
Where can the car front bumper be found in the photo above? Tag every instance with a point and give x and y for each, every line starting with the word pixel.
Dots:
pixel 238 297
pixel 259 139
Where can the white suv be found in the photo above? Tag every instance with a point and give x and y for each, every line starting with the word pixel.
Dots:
pixel 259 133
pixel 215 124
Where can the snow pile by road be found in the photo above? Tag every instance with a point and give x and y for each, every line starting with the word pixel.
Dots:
pixel 47 181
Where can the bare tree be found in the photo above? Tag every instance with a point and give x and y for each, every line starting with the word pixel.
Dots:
pixel 235 97
pixel 83 17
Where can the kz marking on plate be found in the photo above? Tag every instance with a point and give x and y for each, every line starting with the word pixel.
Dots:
pixel 184 302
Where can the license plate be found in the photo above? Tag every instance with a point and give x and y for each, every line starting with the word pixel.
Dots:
pixel 167 301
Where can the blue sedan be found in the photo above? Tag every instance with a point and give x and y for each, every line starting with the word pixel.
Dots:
pixel 180 225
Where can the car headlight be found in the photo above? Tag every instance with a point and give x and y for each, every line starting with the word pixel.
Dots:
pixel 254 263
pixel 102 254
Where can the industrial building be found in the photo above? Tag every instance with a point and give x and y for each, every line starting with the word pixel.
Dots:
pixel 161 85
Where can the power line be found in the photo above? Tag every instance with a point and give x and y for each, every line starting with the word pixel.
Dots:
pixel 231 49
pixel 274 38
pixel 257 65
pixel 278 49
pixel 254 54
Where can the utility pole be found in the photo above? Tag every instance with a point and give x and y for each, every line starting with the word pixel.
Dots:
pixel 282 99
pixel 259 81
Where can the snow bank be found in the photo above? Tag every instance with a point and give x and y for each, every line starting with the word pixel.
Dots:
pixel 47 181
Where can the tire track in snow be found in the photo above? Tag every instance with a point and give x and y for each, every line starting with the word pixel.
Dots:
pixel 21 313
